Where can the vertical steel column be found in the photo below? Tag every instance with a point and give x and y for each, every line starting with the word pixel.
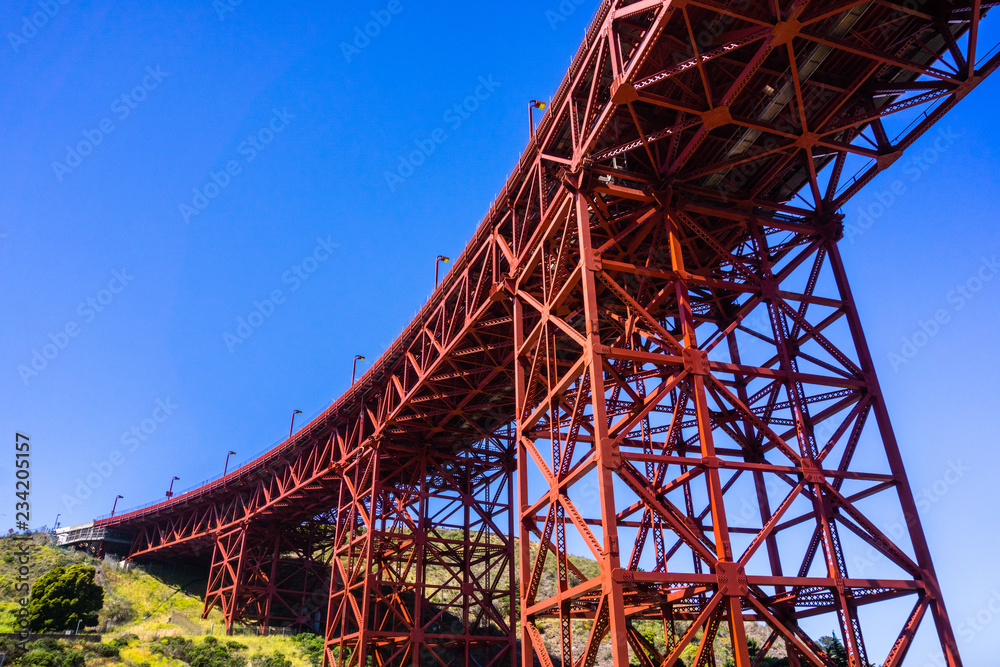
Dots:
pixel 348 629
pixel 606 453
pixel 697 367
pixel 270 582
pixel 942 623
pixel 525 528
pixel 226 576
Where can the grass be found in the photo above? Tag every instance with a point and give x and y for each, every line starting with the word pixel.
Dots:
pixel 149 603
pixel 138 655
pixel 137 614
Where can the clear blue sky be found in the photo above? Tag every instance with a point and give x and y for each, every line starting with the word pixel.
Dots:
pixel 101 245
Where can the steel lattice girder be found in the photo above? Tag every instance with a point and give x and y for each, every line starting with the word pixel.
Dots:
pixel 273 575
pixel 425 558
pixel 664 377
pixel 715 119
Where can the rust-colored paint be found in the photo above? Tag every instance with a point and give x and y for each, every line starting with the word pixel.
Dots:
pixel 649 351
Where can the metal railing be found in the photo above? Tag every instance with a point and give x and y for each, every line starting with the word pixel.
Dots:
pixel 91 534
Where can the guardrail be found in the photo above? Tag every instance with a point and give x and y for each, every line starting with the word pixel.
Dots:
pixel 92 534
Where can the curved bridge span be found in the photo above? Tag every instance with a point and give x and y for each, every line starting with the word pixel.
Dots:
pixel 647 354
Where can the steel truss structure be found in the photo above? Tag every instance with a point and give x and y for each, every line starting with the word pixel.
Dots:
pixel 276 575
pixel 653 329
pixel 425 564
pixel 672 382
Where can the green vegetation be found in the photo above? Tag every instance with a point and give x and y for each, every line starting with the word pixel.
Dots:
pixel 133 652
pixel 311 646
pixel 835 650
pixel 58 653
pixel 64 598
pixel 43 559
pixel 210 652
pixel 146 621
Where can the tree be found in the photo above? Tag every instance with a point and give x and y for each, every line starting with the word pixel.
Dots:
pixel 834 650
pixel 63 597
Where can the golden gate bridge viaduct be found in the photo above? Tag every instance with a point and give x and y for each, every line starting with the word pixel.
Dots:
pixel 649 354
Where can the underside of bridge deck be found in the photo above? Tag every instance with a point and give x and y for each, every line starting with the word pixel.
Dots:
pixel 648 355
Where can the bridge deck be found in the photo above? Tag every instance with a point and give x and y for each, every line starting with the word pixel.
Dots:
pixel 599 329
pixel 858 66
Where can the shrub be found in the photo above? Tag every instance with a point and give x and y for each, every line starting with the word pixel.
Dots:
pixel 11 648
pixel 50 653
pixel 312 646
pixel 46 644
pixel 209 653
pixel 276 659
pixel 39 657
pixel 110 650
pixel 64 597
pixel 117 611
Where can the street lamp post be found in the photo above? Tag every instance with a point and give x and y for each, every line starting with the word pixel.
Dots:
pixel 354 367
pixel 292 426
pixel 170 491
pixel 437 263
pixel 226 467
pixel 532 105
pixel 115 505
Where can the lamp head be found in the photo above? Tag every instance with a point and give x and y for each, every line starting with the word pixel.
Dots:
pixel 538 104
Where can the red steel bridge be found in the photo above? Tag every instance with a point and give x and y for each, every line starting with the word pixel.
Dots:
pixel 647 355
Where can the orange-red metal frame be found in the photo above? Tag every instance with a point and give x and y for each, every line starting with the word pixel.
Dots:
pixel 424 566
pixel 654 322
pixel 276 576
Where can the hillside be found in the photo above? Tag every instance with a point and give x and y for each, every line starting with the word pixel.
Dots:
pixel 147 621
pixel 134 602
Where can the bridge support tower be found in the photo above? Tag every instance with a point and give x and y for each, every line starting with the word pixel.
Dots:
pixel 424 559
pixel 273 575
pixel 697 408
